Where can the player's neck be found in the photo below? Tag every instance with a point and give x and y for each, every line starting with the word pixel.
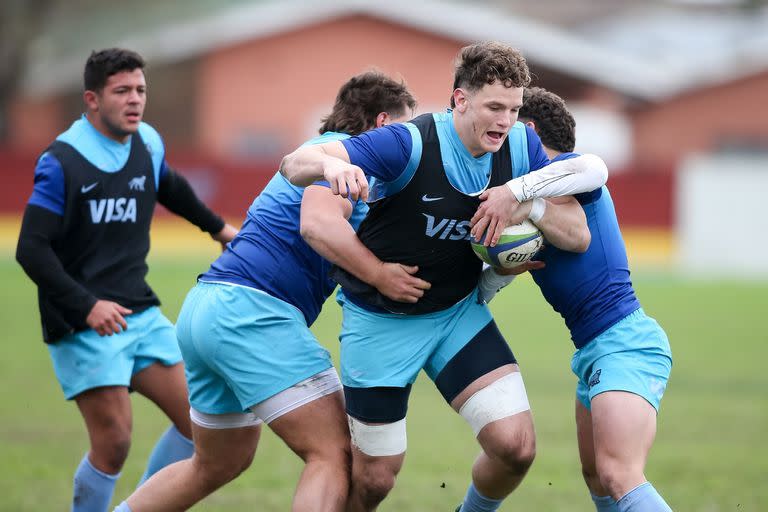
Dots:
pixel 100 127
pixel 552 153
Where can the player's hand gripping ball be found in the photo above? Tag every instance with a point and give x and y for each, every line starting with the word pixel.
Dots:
pixel 518 244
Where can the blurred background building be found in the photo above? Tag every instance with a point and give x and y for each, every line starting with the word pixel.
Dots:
pixel 658 89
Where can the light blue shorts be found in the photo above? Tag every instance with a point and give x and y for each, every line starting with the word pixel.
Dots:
pixel 84 360
pixel 632 355
pixel 384 349
pixel 242 346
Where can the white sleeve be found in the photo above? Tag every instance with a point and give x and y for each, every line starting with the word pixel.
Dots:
pixel 584 173
pixel 491 283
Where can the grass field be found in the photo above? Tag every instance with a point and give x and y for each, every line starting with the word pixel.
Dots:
pixel 710 454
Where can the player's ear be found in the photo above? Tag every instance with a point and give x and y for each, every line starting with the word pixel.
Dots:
pixel 383 119
pixel 90 98
pixel 460 100
pixel 531 124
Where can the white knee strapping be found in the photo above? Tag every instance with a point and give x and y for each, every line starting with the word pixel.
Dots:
pixel 222 421
pixel 503 398
pixel 378 440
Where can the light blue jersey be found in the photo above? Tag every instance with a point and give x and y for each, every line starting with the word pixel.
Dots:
pixel 270 255
pixel 106 154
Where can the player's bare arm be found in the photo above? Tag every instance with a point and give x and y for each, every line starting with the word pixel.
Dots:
pixel 330 162
pixel 564 224
pixel 566 177
pixel 325 228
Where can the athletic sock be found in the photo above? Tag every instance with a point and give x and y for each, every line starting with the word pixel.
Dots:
pixel 171 447
pixel 92 488
pixel 643 498
pixel 123 507
pixel 604 503
pixel 476 502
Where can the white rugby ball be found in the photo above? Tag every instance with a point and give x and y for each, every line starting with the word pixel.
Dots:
pixel 517 244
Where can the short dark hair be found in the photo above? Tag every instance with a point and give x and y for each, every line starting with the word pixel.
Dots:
pixel 554 123
pixel 362 98
pixel 487 62
pixel 104 63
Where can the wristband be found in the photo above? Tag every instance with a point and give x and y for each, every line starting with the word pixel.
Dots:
pixel 538 207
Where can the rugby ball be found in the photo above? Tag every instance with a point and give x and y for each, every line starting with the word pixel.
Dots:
pixel 517 244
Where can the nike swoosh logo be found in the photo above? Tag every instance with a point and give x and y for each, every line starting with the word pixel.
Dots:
pixel 428 199
pixel 85 189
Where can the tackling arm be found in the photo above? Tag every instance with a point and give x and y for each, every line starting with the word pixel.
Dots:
pixel 325 228
pixel 564 224
pixel 506 205
pixel 329 161
pixel 584 173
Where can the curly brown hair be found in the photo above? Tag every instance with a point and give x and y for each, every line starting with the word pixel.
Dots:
pixel 485 63
pixel 362 98
pixel 554 123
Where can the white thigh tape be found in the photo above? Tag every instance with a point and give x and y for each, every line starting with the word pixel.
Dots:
pixel 223 421
pixel 379 440
pixel 306 391
pixel 503 398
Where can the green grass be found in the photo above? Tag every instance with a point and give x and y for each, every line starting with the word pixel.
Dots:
pixel 710 454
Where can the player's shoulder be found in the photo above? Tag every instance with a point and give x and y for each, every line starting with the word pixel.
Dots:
pixel 326 137
pixel 151 137
pixel 391 135
pixel 77 132
pixel 566 156
pixel 47 164
pixel 440 120
pixel 441 117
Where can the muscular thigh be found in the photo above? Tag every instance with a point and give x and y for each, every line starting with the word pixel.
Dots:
pixel 107 412
pixel 623 428
pixel 318 426
pixel 166 387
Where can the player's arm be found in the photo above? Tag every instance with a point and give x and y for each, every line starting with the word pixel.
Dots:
pixel 325 228
pixel 329 162
pixel 562 221
pixel 493 279
pixel 35 254
pixel 583 173
pixel 501 206
pixel 175 193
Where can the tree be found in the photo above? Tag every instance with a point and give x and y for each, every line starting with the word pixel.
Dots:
pixel 20 23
